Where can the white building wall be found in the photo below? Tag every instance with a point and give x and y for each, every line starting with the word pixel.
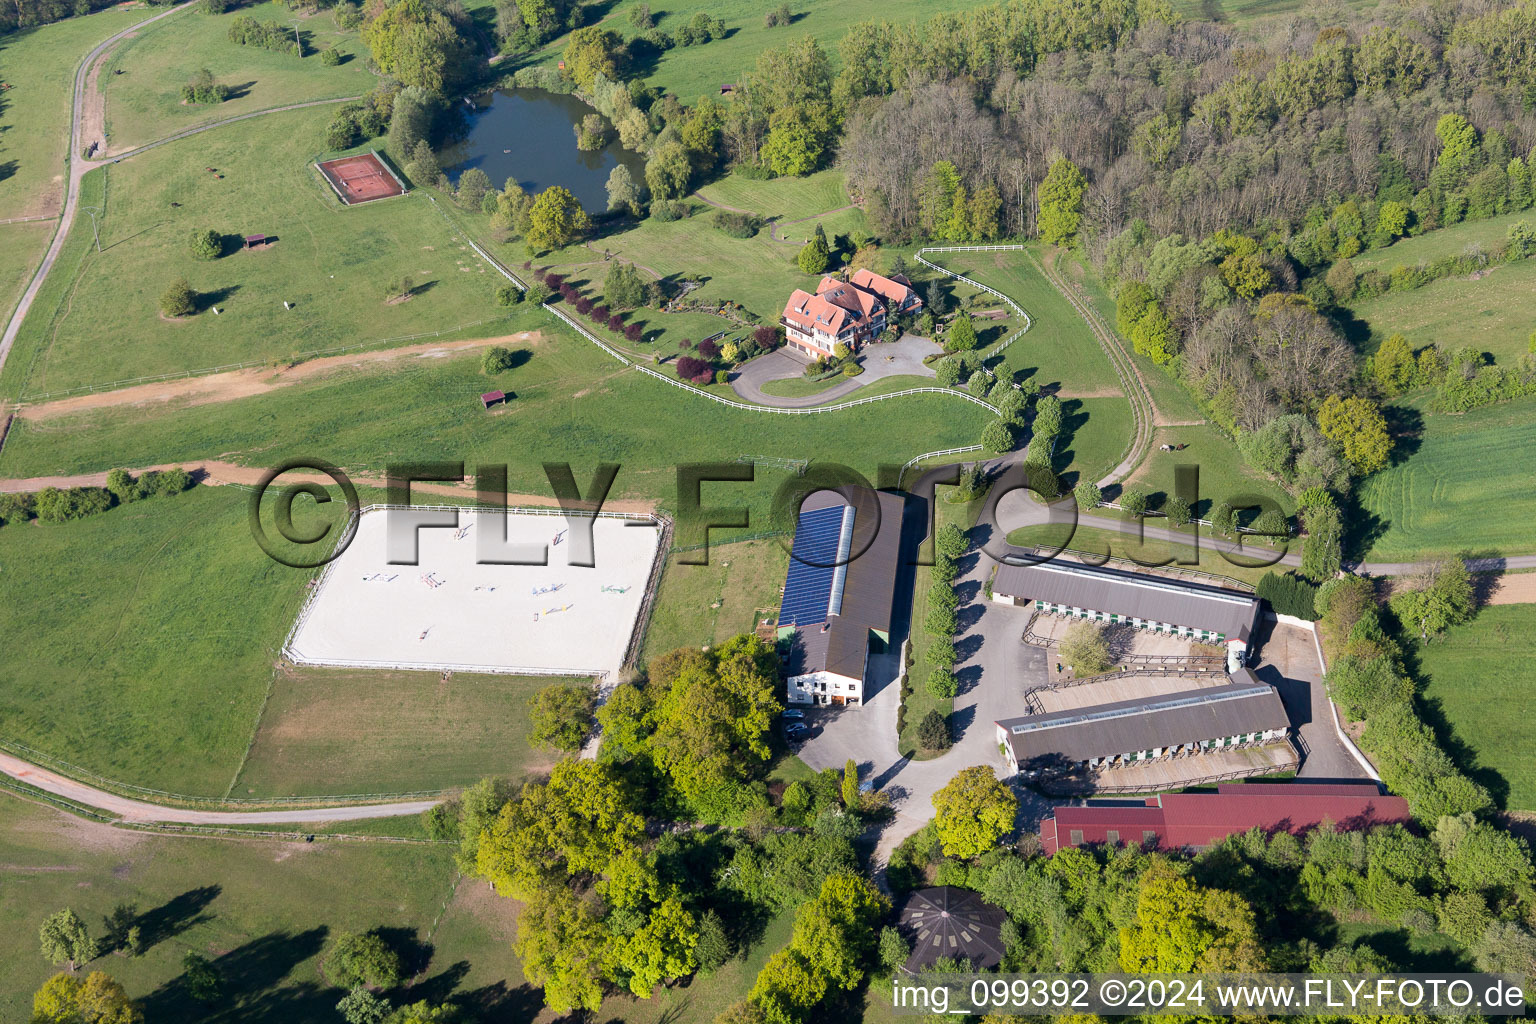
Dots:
pixel 821 687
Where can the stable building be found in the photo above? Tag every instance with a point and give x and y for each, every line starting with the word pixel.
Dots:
pixel 839 596
pixel 1193 821
pixel 1242 713
pixel 1203 614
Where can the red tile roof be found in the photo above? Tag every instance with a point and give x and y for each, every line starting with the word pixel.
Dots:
pixel 1200 819
pixel 894 290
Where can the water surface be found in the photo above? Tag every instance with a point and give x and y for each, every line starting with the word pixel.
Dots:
pixel 530 135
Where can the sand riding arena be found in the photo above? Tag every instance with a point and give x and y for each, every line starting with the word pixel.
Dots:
pixel 449 612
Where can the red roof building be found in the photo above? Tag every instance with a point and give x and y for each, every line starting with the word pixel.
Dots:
pixel 1176 821
pixel 845 312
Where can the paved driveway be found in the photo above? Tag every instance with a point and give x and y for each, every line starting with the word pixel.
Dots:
pixel 995 668
pixel 896 359
pixel 1288 662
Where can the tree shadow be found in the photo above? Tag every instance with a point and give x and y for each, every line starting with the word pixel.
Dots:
pixel 251 976
pixel 967 647
pixel 176 915
pixel 8 169
pixel 1406 426
pixel 203 301
pixel 239 92
pixel 422 288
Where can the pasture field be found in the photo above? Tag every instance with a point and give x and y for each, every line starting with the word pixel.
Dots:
pixel 1492 314
pixel 151 634
pixel 1059 349
pixel 704 605
pixel 144 102
pixel 572 403
pixel 328 731
pixel 39 66
pixel 263 910
pixel 1448 241
pixel 1462 490
pixel 21 249
pixel 333 264
pixel 1224 475
pixel 1482 678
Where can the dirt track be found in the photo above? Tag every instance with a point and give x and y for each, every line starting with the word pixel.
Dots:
pixel 222 387
pixel 214 473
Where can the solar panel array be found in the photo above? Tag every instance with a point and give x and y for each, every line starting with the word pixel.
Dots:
pixel 808 587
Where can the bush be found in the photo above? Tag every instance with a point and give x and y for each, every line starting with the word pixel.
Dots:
pixel 53 505
pixel 688 367
pixel 1085 648
pixel 933 731
pixel 997 437
pixel 206 244
pixel 780 17
pixel 668 210
pixel 509 295
pixel 737 224
pixel 943 684
pixel 178 299
pixel 1289 595
pixel 330 56
pixel 201 88
pixel 16 508
pixel 1134 503
pixel 496 359
pixel 364 959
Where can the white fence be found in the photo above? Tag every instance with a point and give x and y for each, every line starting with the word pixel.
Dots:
pixel 588 335
pixel 1018 309
pixel 932 455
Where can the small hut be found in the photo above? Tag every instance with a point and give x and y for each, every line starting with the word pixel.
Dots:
pixel 255 241
pixel 948 921
pixel 491 398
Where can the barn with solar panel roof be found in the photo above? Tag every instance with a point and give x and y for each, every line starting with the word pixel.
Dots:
pixel 839 595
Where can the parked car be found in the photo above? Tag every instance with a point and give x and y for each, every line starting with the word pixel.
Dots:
pixel 792 713
pixel 794 730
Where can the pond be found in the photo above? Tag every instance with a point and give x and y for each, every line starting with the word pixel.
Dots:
pixel 530 135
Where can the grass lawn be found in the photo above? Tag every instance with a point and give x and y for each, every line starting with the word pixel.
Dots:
pixel 150 635
pixel 704 605
pixel 144 102
pixel 1224 475
pixel 1456 492
pixel 21 250
pixel 756 272
pixel 572 404
pixel 922 701
pixel 1492 314
pixel 1244 10
pixel 1094 438
pixel 800 387
pixel 262 910
pixel 783 199
pixel 101 322
pixel 39 66
pixel 1119 545
pixel 1482 679
pixel 1059 349
pixel 327 731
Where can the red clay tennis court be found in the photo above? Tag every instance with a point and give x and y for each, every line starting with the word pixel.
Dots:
pixel 361 179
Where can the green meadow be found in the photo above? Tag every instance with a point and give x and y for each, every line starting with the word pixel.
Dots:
pixel 262 910
pixel 38 64
pixel 1492 314
pixel 21 249
pixel 1463 489
pixel 1481 677
pixel 338 267
pixel 144 101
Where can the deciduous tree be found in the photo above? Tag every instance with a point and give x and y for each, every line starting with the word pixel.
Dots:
pixel 973 812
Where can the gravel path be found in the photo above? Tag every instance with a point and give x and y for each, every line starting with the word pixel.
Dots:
pixel 137 810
